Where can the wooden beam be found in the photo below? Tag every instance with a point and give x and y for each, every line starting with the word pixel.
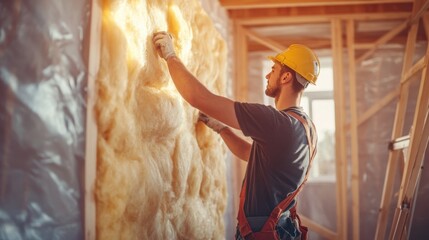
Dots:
pixel 245 4
pixel 358 12
pixel 420 64
pixel 340 135
pixel 321 230
pixel 354 130
pixel 255 46
pixel 241 94
pixel 378 106
pixel 422 7
pixel 426 25
pixel 382 40
pixel 300 19
pixel 92 52
pixel 273 45
pixel 240 47
pixel 363 46
pixel 392 33
pixel 363 42
pixel 392 95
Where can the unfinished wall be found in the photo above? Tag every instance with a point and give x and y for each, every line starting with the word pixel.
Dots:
pixel 160 174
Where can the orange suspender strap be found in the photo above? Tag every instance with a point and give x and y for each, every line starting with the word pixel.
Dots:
pixel 270 224
pixel 312 141
pixel 277 211
pixel 243 224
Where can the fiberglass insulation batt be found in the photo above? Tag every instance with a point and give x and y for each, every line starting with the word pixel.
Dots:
pixel 160 173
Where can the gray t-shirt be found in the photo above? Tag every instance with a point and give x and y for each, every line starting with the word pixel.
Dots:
pixel 279 156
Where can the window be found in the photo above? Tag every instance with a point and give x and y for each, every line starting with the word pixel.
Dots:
pixel 318 102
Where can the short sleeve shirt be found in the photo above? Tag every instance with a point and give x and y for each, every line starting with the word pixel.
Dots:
pixel 279 156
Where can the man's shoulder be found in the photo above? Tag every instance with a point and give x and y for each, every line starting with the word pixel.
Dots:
pixel 253 105
pixel 254 108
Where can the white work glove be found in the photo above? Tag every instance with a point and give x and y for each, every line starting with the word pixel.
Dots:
pixel 211 122
pixel 163 42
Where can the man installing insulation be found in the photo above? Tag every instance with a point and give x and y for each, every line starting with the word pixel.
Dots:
pixel 284 139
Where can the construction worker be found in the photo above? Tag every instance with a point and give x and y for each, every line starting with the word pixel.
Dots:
pixel 284 138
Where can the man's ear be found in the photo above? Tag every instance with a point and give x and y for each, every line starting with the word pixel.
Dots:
pixel 286 77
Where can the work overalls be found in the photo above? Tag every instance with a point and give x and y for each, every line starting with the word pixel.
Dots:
pixel 268 231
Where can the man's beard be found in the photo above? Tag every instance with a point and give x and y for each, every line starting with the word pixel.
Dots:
pixel 273 92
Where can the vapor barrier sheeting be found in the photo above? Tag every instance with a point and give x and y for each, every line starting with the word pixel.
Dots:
pixel 376 77
pixel 42 116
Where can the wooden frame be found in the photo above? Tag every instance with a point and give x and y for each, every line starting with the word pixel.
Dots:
pixel 414 160
pixel 353 129
pixel 340 135
pixel 392 165
pixel 244 33
pixel 92 58
pixel 399 119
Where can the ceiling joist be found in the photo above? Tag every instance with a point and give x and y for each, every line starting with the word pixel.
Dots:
pixel 251 4
pixel 273 45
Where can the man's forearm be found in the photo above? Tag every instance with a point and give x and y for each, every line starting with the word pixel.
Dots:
pixel 196 94
pixel 237 145
pixel 186 83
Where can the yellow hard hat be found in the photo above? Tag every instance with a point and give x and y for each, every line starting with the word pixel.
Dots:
pixel 302 60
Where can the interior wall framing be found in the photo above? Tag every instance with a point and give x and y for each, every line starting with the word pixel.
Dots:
pixel 338 22
pixel 419 135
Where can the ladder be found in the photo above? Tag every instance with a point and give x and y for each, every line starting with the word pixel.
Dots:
pixel 418 138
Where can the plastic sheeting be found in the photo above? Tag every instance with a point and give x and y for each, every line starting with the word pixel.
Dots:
pixel 376 77
pixel 42 117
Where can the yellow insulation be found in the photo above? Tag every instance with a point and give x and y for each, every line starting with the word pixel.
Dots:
pixel 160 173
